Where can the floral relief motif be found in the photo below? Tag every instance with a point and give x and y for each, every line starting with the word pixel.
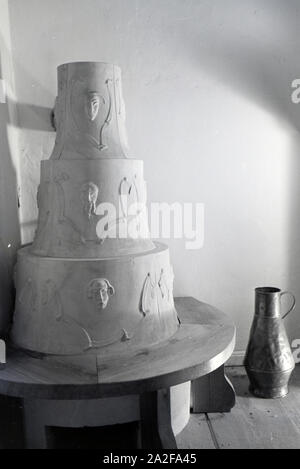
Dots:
pixel 28 295
pixel 158 287
pixel 102 145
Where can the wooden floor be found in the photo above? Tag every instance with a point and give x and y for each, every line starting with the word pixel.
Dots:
pixel 253 423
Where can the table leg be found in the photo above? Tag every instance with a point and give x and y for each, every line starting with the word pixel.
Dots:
pixel 34 428
pixel 156 428
pixel 213 393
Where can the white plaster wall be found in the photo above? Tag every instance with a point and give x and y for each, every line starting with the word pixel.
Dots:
pixel 9 159
pixel 207 88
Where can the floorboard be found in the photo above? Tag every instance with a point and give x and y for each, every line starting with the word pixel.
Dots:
pixel 196 434
pixel 259 423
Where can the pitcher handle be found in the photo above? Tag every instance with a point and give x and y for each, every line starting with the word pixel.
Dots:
pixel 293 305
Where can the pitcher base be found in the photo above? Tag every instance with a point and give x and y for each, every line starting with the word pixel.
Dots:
pixel 269 393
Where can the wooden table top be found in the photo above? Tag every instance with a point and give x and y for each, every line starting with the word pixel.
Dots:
pixel 204 342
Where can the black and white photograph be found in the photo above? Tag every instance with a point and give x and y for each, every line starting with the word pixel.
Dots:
pixel 149 228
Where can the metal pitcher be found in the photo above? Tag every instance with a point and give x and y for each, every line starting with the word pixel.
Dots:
pixel 269 361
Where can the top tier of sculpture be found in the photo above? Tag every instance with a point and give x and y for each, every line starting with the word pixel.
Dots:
pixel 90 112
pixel 91 198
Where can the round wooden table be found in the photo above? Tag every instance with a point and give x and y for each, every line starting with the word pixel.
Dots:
pixel 205 341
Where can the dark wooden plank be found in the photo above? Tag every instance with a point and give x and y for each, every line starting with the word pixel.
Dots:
pixel 213 393
pixel 155 423
pixel 192 311
pixel 257 423
pixel 291 403
pixel 34 426
pixel 39 369
pixel 11 427
pixel 194 346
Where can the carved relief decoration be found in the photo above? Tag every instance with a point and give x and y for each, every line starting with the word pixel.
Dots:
pixel 51 300
pixel 28 295
pixel 158 287
pixel 128 195
pixel 62 217
pixel 90 125
pixel 102 145
pixel 125 336
pixel 121 113
pixel 169 282
pixel 92 104
pixel 43 201
pixel 90 112
pixel 52 304
pixel 99 291
pixel 54 220
pixel 89 196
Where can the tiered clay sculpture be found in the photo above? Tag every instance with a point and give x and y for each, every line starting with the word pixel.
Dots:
pixel 81 290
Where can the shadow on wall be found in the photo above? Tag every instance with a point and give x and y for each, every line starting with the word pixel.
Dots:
pixel 245 52
pixel 36 118
pixel 9 222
